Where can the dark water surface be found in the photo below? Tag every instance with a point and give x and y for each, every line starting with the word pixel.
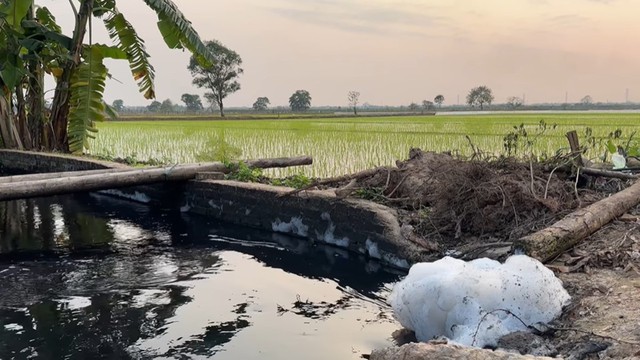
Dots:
pixel 87 276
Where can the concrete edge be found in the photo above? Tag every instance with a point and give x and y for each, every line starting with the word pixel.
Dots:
pixel 38 162
pixel 360 226
pixel 357 225
pixel 52 162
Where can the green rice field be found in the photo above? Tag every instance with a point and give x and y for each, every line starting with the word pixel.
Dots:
pixel 343 145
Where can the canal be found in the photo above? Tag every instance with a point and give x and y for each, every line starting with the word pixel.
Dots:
pixel 90 276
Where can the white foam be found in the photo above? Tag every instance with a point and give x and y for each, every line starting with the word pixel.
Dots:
pixel 294 226
pixel 329 233
pixel 13 327
pixel 136 196
pixel 394 260
pixel 466 301
pixel 372 249
pixel 374 252
pixel 216 206
pixel 75 302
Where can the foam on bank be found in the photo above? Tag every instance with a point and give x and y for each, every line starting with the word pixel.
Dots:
pixel 466 301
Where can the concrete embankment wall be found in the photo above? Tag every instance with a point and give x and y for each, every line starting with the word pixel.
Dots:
pixel 30 162
pixel 360 226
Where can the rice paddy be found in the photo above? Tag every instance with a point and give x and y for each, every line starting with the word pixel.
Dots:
pixel 346 145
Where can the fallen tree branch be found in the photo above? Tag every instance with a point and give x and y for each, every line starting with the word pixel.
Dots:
pixel 548 327
pixel 608 173
pixel 397 186
pixel 347 190
pixel 472 251
pixel 333 180
pixel 548 243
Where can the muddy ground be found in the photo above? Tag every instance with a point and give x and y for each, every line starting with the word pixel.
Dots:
pixel 476 208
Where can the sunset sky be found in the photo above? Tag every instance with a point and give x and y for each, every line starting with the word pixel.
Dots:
pixel 398 52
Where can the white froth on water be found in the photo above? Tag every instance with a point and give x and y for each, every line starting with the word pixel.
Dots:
pixel 476 303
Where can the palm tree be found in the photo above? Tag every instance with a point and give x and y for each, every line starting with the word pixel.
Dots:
pixel 32 32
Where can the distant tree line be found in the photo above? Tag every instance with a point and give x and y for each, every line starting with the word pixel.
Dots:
pixel 221 81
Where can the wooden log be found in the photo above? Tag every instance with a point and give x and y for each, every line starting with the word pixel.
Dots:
pixel 44 176
pixel 260 163
pixel 574 143
pixel 276 163
pixel 548 243
pixel 210 176
pixel 71 184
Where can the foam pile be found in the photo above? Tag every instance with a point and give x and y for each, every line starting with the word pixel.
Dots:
pixel 465 301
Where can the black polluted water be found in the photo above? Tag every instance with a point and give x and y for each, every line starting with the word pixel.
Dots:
pixel 88 277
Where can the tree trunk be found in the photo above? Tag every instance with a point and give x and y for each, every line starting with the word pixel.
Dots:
pixel 60 107
pixel 35 99
pixel 35 102
pixel 548 243
pixel 21 117
pixel 72 184
pixel 221 106
pixel 8 130
pixel 5 123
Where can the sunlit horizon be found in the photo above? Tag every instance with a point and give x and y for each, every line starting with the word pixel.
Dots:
pixel 395 54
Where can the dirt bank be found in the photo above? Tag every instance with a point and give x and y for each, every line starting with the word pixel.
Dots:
pixel 477 208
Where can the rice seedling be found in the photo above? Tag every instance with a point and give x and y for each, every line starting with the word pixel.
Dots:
pixel 346 145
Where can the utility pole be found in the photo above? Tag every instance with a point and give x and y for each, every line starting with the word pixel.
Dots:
pixel 626 95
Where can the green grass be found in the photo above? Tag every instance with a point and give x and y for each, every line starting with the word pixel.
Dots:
pixel 346 145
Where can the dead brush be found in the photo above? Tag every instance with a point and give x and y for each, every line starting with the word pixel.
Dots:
pixel 501 198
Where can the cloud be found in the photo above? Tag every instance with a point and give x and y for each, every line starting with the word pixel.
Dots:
pixel 361 16
pixel 568 20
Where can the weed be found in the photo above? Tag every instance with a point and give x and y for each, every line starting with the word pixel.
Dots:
pixel 219 150
pixel 297 181
pixel 371 193
pixel 242 172
pixel 615 141
pixel 523 139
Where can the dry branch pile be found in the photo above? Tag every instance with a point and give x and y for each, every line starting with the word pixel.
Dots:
pixel 454 202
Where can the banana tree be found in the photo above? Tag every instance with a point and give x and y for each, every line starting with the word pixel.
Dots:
pixel 32 44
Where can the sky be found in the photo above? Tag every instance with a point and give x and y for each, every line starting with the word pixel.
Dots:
pixel 396 52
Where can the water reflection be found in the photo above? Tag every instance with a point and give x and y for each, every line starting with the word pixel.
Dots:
pixel 38 226
pixel 88 276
